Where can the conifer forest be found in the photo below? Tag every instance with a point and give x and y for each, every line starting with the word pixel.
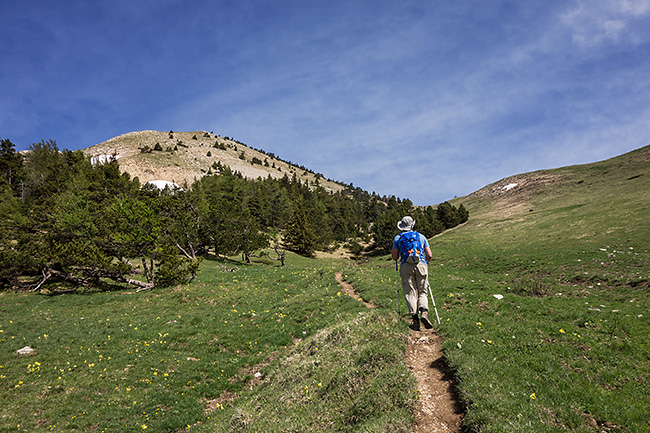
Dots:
pixel 69 225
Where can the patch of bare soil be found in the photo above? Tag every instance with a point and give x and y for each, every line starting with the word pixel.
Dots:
pixel 339 253
pixel 511 196
pixel 438 410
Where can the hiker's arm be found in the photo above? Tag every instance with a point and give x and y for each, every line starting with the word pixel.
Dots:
pixel 395 254
pixel 427 253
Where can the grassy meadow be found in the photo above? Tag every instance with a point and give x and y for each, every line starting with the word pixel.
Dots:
pixel 281 349
pixel 186 358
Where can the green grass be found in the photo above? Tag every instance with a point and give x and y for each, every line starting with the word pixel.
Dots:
pixel 127 361
pixel 570 331
pixel 565 348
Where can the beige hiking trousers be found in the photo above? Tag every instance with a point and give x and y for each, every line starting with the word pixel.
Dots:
pixel 414 284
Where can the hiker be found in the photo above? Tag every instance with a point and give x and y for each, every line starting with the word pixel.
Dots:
pixel 414 253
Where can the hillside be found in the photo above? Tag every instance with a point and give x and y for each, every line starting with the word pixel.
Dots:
pixel 604 200
pixel 544 302
pixel 186 156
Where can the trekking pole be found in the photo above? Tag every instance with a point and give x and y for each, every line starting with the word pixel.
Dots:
pixel 433 301
pixel 399 304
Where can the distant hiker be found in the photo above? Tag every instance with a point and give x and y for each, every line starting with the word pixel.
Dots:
pixel 414 253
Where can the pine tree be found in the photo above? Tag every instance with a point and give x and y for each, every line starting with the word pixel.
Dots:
pixel 300 235
pixel 447 214
pixel 11 164
pixel 384 229
pixel 463 214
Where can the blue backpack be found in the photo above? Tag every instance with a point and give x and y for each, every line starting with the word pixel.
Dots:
pixel 410 247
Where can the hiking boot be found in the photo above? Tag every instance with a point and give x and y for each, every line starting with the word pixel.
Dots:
pixel 424 317
pixel 416 323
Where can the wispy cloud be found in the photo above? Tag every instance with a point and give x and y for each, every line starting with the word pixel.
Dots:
pixel 597 22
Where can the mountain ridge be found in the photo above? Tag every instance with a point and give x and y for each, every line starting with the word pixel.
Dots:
pixel 182 157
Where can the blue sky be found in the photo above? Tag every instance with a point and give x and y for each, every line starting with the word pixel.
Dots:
pixel 420 99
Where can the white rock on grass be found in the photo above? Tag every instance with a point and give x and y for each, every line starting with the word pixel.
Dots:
pixel 25 350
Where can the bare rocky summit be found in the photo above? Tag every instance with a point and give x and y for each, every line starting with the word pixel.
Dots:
pixel 182 157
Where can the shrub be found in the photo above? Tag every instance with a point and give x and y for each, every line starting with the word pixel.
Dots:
pixel 175 269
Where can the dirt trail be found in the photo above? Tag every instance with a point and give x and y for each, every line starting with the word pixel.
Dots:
pixel 438 408
pixel 350 291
